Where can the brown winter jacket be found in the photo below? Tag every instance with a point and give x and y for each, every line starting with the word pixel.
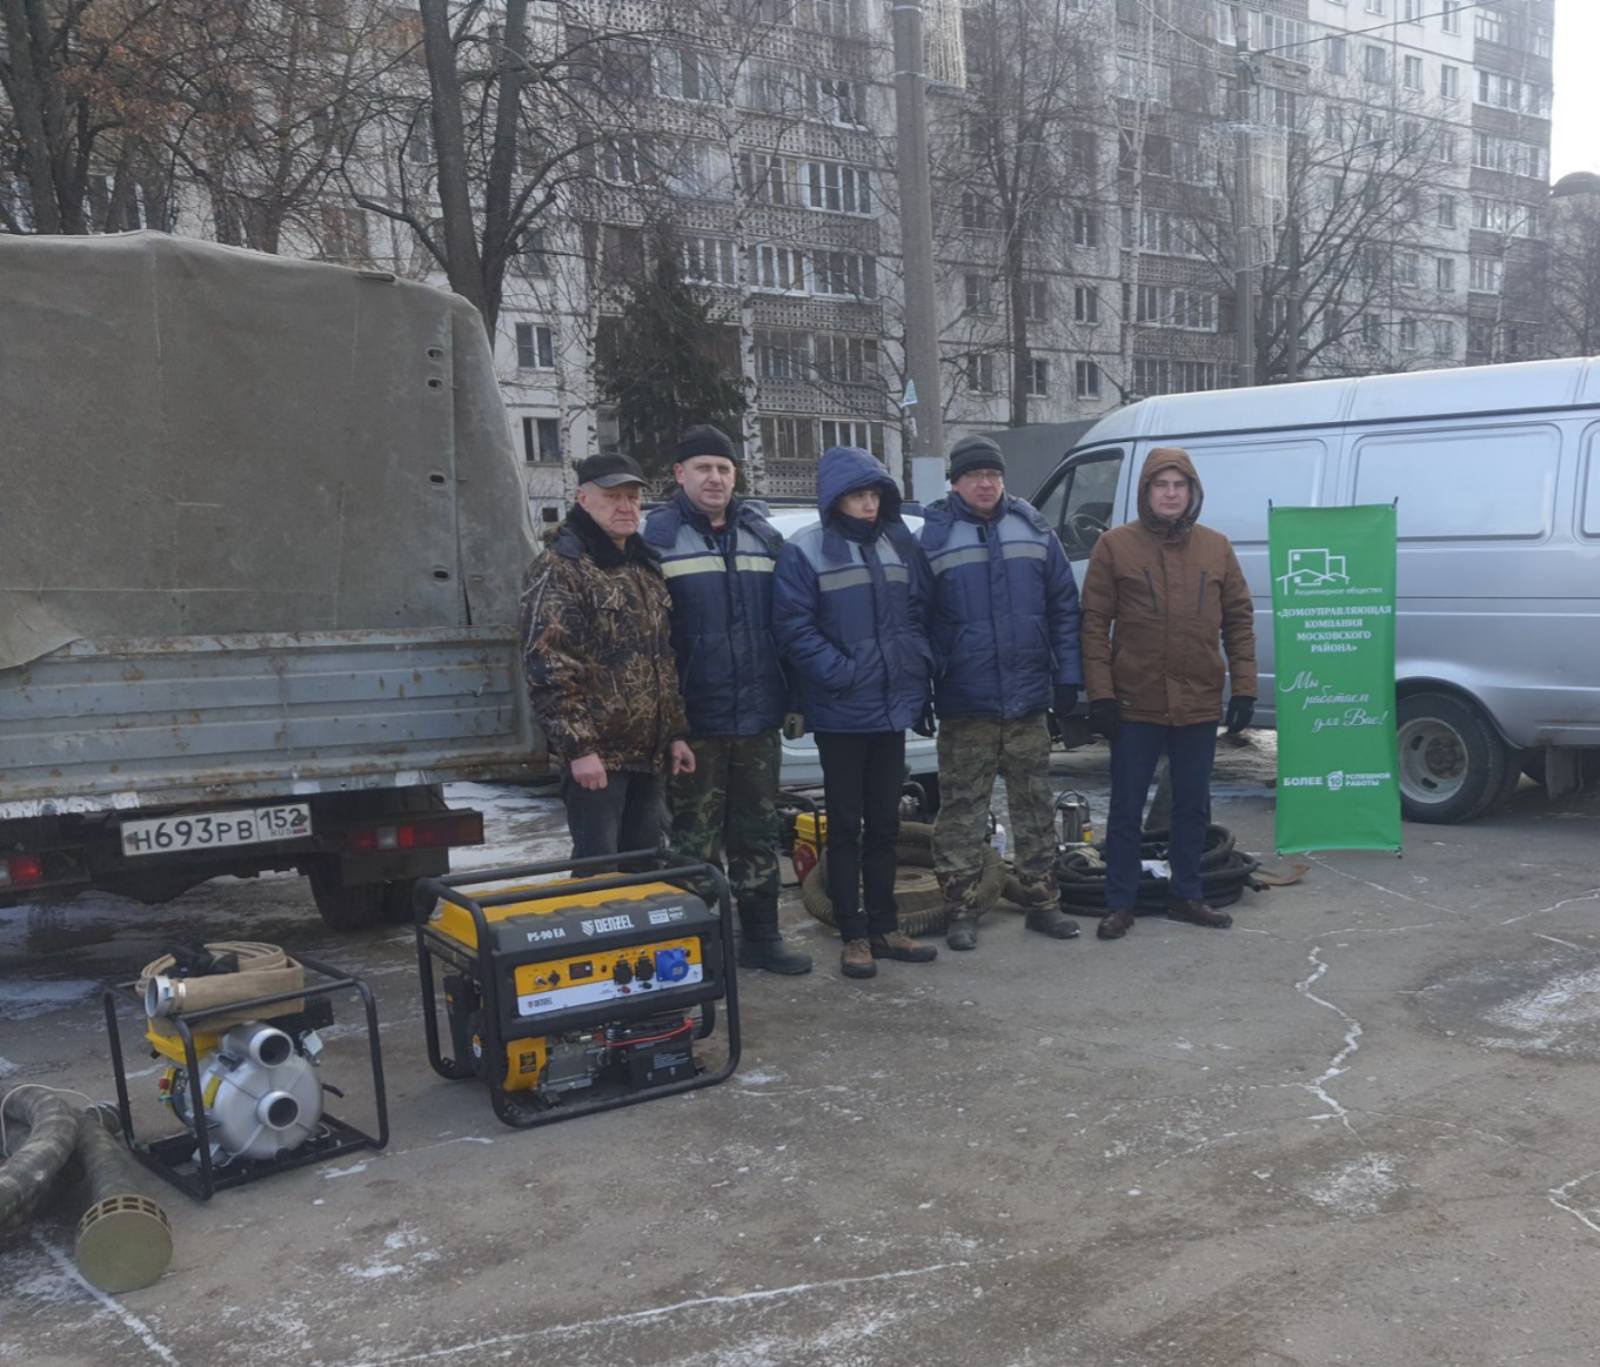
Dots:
pixel 1171 589
pixel 601 672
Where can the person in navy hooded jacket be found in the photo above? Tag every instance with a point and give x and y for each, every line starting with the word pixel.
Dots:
pixel 848 615
pixel 1004 623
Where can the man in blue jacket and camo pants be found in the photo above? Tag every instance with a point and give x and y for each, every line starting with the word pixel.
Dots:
pixel 1004 623
pixel 718 553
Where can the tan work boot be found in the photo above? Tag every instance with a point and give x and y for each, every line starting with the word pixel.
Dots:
pixel 898 945
pixel 856 960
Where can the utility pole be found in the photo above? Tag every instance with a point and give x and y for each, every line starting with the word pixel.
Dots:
pixel 1243 280
pixel 1294 292
pixel 924 420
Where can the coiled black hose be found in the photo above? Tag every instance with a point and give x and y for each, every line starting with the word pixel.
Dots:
pixel 1224 874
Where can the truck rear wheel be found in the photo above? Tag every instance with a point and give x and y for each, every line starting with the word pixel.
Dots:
pixel 359 906
pixel 1453 766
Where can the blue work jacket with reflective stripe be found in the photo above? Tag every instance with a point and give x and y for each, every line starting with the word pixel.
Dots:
pixel 849 617
pixel 1004 610
pixel 721 587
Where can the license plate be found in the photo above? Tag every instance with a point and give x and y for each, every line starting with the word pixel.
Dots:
pixel 216 830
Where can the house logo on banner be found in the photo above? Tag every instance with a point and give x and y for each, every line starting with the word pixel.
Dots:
pixel 1314 569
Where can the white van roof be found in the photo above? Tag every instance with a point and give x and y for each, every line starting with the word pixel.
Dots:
pixel 1518 387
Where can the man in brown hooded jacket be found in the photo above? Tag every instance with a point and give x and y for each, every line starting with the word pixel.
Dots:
pixel 1172 588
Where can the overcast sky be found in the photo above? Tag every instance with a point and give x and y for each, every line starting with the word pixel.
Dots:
pixel 1575 139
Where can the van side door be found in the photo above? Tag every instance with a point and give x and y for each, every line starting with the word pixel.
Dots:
pixel 1080 499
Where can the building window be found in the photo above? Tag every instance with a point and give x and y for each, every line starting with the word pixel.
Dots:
pixel 840 188
pixel 541 441
pixel 1375 64
pixel 1189 309
pixel 1444 274
pixel 782 354
pixel 1449 82
pixel 978 297
pixel 1413 73
pixel 789 439
pixel 845 273
pixel 1450 15
pixel 1085 228
pixel 686 73
pixel 1085 304
pixel 1407 272
pixel 844 358
pixel 1371 331
pixel 708 261
pixel 1338 58
pixel 781 269
pixel 1444 339
pixel 1408 334
pixel 1447 211
pixel 1035 301
pixel 1480 336
pixel 1411 11
pixel 1374 6
pixel 1488 273
pixel 1086 376
pixel 1489 25
pixel 974 210
pixel 768 178
pixel 980 372
pixel 536 347
pixel 1038 377
pixel 837 99
pixel 536 254
pixel 868 436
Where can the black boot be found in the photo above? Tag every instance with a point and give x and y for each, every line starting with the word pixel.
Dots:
pixel 962 931
pixel 773 956
pixel 1052 922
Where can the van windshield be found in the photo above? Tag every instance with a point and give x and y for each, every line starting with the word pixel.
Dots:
pixel 1080 504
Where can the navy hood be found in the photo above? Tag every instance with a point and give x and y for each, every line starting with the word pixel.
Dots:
pixel 844 470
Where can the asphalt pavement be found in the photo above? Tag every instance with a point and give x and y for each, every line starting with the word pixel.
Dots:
pixel 1362 1126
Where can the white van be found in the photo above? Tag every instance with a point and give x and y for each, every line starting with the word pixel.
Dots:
pixel 1497 475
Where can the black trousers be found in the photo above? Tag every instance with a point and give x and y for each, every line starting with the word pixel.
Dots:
pixel 861 779
pixel 624 815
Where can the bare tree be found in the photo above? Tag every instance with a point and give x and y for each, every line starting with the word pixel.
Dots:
pixel 1574 298
pixel 1030 142
pixel 510 114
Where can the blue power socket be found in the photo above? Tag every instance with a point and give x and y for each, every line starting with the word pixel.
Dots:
pixel 672 965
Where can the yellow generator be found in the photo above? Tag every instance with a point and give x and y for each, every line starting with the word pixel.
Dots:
pixel 580 993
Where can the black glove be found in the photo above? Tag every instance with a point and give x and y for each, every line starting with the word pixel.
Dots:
pixel 1105 717
pixel 1066 700
pixel 1240 710
pixel 923 725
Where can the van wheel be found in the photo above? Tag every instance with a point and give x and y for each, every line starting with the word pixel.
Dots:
pixel 1452 765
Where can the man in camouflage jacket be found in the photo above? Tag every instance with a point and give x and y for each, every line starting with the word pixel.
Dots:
pixel 601 672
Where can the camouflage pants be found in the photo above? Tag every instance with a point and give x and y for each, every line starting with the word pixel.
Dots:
pixel 972 750
pixel 728 808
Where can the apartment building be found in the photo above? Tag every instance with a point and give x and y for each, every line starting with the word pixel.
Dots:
pixel 1398 156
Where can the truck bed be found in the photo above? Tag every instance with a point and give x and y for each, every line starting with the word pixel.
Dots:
pixel 153 722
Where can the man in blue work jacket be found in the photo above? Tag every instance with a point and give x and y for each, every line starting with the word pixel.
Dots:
pixel 1004 623
pixel 718 552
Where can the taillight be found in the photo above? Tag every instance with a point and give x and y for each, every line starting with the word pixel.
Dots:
pixel 452 828
pixel 19 870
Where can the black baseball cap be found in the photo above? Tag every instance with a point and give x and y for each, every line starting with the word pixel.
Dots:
pixel 610 470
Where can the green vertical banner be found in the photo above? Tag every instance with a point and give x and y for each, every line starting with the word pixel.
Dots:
pixel 1333 592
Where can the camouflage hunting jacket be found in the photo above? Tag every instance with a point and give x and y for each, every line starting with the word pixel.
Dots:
pixel 598 649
